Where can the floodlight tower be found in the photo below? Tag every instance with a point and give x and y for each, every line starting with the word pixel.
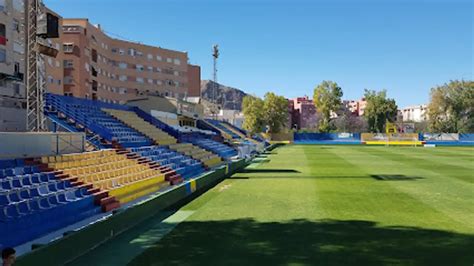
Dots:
pixel 39 26
pixel 215 55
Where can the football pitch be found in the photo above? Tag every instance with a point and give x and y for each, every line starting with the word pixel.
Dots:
pixel 319 205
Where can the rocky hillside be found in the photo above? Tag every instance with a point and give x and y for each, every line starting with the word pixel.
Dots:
pixel 227 97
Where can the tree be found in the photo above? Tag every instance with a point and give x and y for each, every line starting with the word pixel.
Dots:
pixel 379 110
pixel 252 107
pixel 348 122
pixel 451 107
pixel 327 99
pixel 275 109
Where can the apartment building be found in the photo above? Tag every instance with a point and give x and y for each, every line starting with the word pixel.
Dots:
pixel 12 65
pixel 97 66
pixel 357 107
pixel 302 113
pixel 416 113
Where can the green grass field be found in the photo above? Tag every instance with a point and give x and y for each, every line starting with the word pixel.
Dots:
pixel 323 205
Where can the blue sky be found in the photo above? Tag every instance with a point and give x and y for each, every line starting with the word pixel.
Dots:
pixel 290 46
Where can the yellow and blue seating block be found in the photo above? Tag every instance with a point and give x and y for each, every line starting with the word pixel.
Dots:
pixel 123 178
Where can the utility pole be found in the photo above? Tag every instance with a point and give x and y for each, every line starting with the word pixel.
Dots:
pixel 215 55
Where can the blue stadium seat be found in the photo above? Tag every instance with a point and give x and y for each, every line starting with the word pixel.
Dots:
pixel 186 166
pixel 33 203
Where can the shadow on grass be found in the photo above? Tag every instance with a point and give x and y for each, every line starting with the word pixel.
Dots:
pixel 303 242
pixel 396 177
pixel 252 170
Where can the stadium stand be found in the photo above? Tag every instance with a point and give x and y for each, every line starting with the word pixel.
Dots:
pixel 222 150
pixel 162 138
pixel 227 132
pixel 137 155
pixel 184 165
pixel 123 126
pixel 34 202
pixel 86 116
pixel 132 120
pixel 112 177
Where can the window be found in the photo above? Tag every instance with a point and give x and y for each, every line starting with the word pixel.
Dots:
pixel 158 82
pixel 131 52
pixel 18 47
pixel 87 52
pixel 176 73
pixel 121 51
pixel 68 80
pixel 114 50
pixel 140 80
pixel 150 81
pixel 140 68
pixel 17 67
pixel 169 60
pixel 58 64
pixel 3 55
pixel 150 56
pixel 94 85
pixel 123 78
pixel 177 62
pixel 68 64
pixel 94 72
pixel 2 5
pixel 87 67
pixel 159 58
pixel 122 90
pixel 122 65
pixel 150 69
pixel 68 47
pixel 15 25
pixel 94 55
pixel 158 70
pixel 139 53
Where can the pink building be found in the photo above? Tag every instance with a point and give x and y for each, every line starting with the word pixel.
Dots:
pixel 357 107
pixel 302 113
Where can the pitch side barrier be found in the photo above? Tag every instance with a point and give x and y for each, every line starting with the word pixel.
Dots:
pixel 448 139
pixel 327 138
pixel 397 139
pixel 76 244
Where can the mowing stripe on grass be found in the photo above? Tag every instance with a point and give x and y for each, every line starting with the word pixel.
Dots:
pixel 348 198
pixel 453 198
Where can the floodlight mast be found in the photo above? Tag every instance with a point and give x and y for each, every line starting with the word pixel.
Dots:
pixel 35 68
pixel 215 55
